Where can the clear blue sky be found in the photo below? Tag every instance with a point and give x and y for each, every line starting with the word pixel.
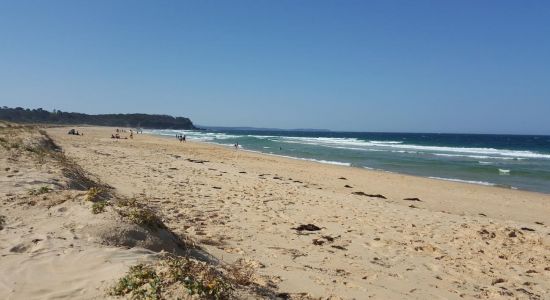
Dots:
pixel 418 66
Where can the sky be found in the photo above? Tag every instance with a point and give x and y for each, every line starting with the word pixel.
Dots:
pixel 463 66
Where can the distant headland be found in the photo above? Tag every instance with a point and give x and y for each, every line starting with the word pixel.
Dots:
pixel 39 115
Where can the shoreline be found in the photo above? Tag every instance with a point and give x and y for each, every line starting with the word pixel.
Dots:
pixel 349 165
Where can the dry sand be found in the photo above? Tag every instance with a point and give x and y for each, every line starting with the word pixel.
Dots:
pixel 459 241
pixel 49 244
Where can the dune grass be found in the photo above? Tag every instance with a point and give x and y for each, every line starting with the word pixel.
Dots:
pixel 99 207
pixel 170 275
pixel 40 191
pixel 2 222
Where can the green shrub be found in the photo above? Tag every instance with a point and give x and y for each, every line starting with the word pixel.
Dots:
pixel 99 206
pixel 141 282
pixel 40 191
pixel 93 194
pixel 198 277
pixel 148 282
pixel 144 217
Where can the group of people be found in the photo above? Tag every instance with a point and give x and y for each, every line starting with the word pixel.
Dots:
pixel 117 135
pixel 74 132
pixel 181 137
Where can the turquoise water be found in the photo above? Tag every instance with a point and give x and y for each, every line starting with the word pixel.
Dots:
pixel 509 161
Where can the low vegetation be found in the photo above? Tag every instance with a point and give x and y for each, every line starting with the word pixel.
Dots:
pixel 137 212
pixel 20 140
pixel 141 282
pixel 144 217
pixel 78 178
pixel 93 194
pixel 100 206
pixel 2 222
pixel 40 191
pixel 173 275
pixel 10 138
pixel 7 144
pixel 241 272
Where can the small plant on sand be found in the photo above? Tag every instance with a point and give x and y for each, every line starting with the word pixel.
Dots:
pixel 93 194
pixel 242 272
pixel 99 206
pixel 40 191
pixel 128 202
pixel 137 212
pixel 198 277
pixel 2 222
pixel 4 143
pixel 144 217
pixel 141 282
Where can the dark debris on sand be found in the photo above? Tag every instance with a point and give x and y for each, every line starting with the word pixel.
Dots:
pixel 369 195
pixel 197 161
pixel 307 227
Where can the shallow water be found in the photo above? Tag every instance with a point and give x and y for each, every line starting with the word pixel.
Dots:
pixel 511 161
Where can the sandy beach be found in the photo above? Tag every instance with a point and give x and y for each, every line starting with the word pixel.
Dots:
pixel 367 234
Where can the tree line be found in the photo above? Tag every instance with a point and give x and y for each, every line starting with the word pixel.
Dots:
pixel 39 115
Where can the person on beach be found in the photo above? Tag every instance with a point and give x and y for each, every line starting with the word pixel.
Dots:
pixel 236 146
pixel 184 138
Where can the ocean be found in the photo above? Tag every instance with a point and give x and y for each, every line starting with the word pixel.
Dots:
pixel 508 161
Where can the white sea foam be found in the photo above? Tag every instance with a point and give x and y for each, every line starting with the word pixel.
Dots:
pixel 386 142
pixel 478 156
pixel 504 172
pixel 356 144
pixel 373 145
pixel 330 162
pixel 262 136
pixel 464 181
pixel 193 134
pixel 475 182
